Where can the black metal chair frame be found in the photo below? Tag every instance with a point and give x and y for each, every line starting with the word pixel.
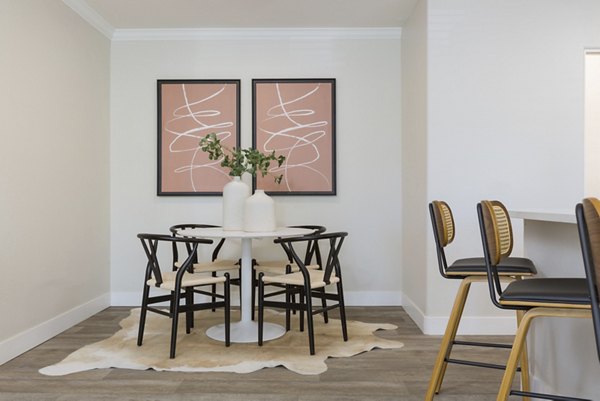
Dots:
pixel 305 291
pixel 150 244
pixel 312 251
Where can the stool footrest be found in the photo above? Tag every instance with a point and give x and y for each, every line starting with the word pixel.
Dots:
pixel 477 364
pixel 480 344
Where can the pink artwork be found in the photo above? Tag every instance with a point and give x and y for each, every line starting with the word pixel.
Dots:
pixel 296 118
pixel 188 110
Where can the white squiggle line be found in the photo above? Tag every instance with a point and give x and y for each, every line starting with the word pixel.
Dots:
pixel 281 110
pixel 185 112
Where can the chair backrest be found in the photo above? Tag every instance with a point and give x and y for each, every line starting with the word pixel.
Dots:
pixel 442 222
pixel 588 224
pixel 150 244
pixel 497 239
pixel 312 247
pixel 332 262
pixel 178 227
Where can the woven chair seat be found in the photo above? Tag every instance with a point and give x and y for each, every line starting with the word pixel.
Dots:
pixel 316 279
pixel 189 280
pixel 278 267
pixel 215 266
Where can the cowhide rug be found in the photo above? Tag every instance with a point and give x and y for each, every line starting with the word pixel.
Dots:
pixel 198 353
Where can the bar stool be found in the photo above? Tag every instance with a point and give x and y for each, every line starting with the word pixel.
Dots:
pixel 535 297
pixel 468 270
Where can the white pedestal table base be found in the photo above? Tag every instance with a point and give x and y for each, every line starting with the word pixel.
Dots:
pixel 246 332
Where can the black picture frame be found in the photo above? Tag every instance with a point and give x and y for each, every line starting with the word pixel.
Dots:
pixel 202 107
pixel 312 95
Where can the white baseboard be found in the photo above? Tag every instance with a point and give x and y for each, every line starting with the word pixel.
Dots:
pixel 24 341
pixel 469 325
pixel 373 298
pixel 352 298
pixel 415 313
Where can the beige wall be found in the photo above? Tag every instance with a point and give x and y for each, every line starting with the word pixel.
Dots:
pixel 54 172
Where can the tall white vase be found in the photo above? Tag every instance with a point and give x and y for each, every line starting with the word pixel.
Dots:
pixel 259 213
pixel 235 193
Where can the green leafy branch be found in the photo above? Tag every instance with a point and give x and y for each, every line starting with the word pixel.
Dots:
pixel 240 161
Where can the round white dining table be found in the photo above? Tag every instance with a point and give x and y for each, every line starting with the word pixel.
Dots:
pixel 246 330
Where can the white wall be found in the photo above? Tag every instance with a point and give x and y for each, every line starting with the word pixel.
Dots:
pixel 368 141
pixel 415 224
pixel 592 123
pixel 505 112
pixel 54 203
pixel 505 121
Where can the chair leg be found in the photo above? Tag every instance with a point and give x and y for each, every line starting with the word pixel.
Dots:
pixel 515 354
pixel 301 310
pixel 189 313
pixel 213 288
pixel 143 313
pixel 309 319
pixel 525 383
pixel 261 306
pixel 324 305
pixel 520 337
pixel 253 291
pixel 175 320
pixel 227 293
pixel 342 307
pixel 288 298
pixel 240 286
pixel 439 367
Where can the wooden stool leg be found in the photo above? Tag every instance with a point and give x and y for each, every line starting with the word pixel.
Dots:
pixel 517 348
pixel 525 383
pixel 439 367
pixel 515 354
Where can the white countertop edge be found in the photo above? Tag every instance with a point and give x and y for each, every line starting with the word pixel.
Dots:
pixel 556 216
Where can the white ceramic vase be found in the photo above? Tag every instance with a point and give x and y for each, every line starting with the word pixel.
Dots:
pixel 259 213
pixel 235 193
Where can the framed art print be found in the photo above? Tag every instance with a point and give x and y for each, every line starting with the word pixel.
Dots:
pixel 296 118
pixel 188 110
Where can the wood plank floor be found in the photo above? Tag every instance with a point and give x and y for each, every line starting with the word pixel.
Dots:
pixel 401 374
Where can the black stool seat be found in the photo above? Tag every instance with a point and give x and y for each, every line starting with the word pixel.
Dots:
pixel 548 290
pixel 477 265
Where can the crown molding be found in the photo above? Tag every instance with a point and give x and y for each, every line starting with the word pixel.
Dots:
pixel 91 17
pixel 97 21
pixel 255 33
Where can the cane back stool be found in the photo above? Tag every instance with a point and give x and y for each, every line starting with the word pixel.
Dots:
pixel 468 270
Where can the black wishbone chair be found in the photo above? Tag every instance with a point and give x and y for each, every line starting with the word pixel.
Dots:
pixel 181 284
pixel 468 270
pixel 215 265
pixel 307 283
pixel 288 265
pixel 536 297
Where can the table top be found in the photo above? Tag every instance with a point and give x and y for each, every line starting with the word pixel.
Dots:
pixel 218 232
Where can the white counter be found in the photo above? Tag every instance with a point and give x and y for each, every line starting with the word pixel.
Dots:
pixel 555 216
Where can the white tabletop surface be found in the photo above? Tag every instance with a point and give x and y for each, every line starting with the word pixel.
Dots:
pixel 218 232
